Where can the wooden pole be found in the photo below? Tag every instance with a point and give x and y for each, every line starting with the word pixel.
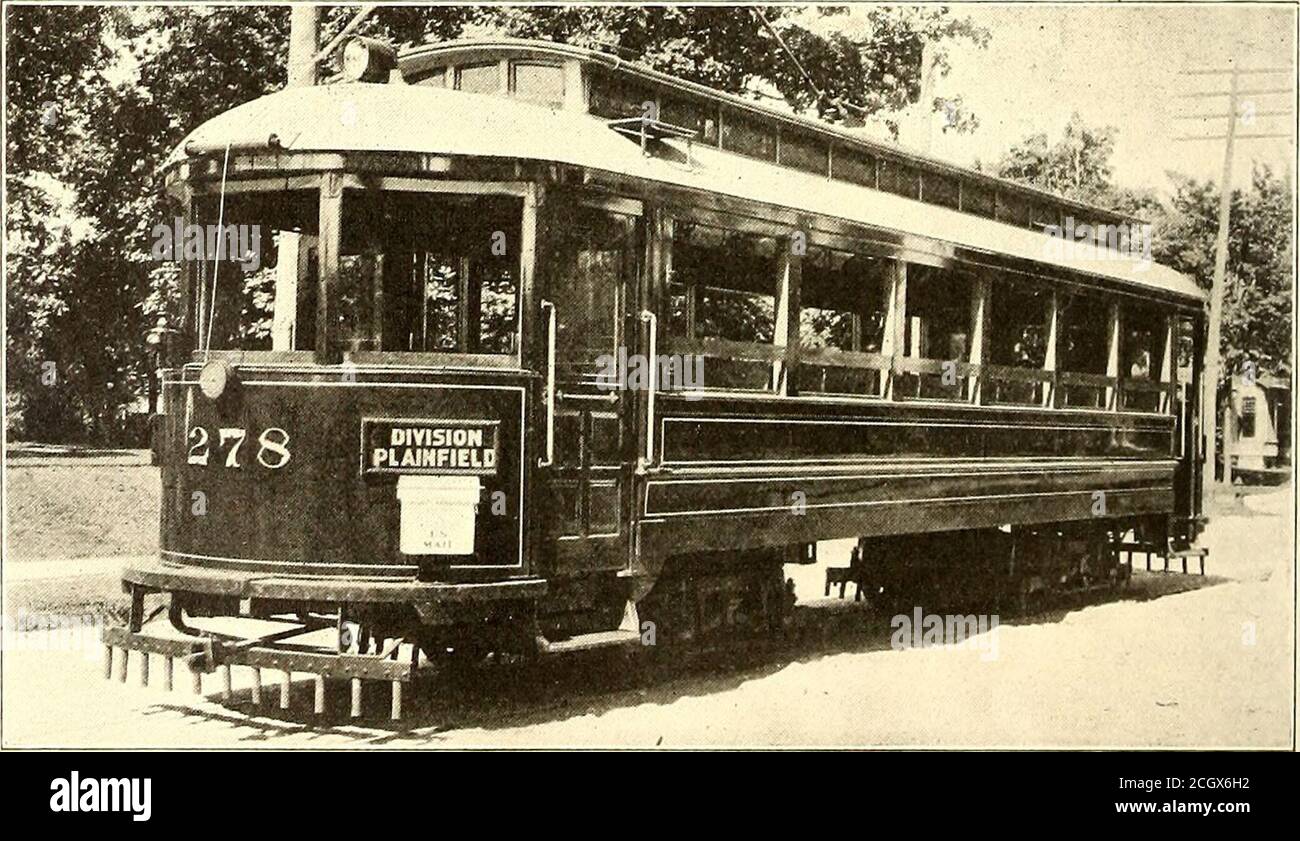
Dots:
pixel 304 41
pixel 1210 385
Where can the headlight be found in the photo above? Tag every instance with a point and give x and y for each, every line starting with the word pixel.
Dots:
pixel 367 60
pixel 215 378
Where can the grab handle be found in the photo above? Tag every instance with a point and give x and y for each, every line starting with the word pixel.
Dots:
pixel 549 458
pixel 653 346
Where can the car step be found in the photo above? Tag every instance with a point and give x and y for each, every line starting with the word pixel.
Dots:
pixel 627 633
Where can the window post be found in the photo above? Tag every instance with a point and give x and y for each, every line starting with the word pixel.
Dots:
pixel 786 329
pixel 288 269
pixel 982 289
pixel 1169 362
pixel 188 326
pixel 1113 334
pixel 331 228
pixel 1049 355
pixel 530 231
pixel 893 343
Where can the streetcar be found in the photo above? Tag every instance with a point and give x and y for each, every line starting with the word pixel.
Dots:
pixel 543 351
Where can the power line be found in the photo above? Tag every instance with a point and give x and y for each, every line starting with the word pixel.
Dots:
pixel 1238 136
pixel 1214 94
pixel 1241 71
pixel 1283 113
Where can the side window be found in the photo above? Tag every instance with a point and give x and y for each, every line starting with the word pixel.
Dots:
pixel 1017 328
pixel 805 152
pixel 700 116
pixel 479 78
pixel 436 78
pixel 848 164
pixel 1083 349
pixel 723 286
pixel 844 299
pixel 900 179
pixel 1141 358
pixel 1246 423
pixel 938 328
pixel 748 136
pixel 937 188
pixel 613 97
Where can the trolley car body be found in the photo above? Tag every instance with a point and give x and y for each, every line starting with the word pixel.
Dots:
pixel 461 252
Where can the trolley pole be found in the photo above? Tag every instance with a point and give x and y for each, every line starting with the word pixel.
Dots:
pixel 304 41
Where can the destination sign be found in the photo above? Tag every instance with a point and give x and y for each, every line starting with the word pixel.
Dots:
pixel 431 447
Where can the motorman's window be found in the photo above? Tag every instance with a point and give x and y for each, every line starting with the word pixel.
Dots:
pixel 429 273
pixel 264 258
pixel 1016 325
pixel 594 261
pixel 938 328
pixel 723 286
pixel 540 83
pixel 1143 333
pixel 1083 348
pixel 843 301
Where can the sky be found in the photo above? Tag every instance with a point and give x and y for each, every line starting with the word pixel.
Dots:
pixel 1120 65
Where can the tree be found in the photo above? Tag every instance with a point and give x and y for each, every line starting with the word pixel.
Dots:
pixel 1257 311
pixel 54 75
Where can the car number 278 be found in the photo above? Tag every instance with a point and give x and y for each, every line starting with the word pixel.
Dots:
pixel 272 446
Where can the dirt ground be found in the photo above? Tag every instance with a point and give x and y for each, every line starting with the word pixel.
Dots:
pixel 65 502
pixel 1176 661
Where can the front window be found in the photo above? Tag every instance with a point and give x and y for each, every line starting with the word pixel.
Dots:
pixel 417 273
pixel 251 266
pixel 428 273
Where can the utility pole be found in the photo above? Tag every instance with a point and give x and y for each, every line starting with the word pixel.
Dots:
pixel 923 119
pixel 1210 378
pixel 304 42
pixel 1210 390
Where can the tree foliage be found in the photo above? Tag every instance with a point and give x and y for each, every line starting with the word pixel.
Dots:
pixel 1257 307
